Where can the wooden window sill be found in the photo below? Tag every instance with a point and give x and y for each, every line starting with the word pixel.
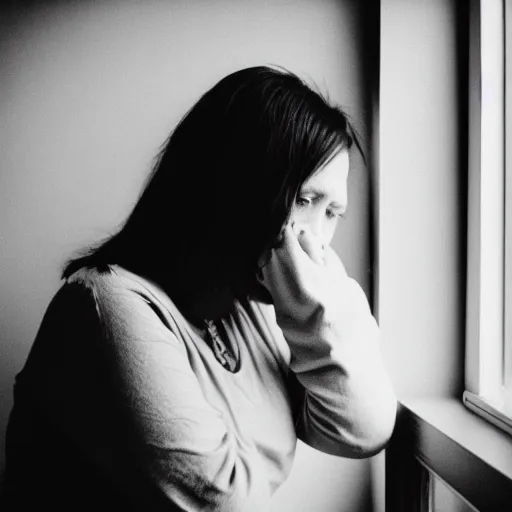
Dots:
pixel 470 455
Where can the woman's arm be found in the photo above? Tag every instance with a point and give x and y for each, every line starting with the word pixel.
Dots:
pixel 349 406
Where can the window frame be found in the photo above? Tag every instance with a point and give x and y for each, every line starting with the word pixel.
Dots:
pixel 486 325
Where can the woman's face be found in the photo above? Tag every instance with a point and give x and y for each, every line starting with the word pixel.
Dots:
pixel 320 203
pixel 322 200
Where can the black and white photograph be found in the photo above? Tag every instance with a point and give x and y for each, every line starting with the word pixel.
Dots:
pixel 256 255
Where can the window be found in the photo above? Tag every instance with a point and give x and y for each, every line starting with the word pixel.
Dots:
pixel 442 457
pixel 488 326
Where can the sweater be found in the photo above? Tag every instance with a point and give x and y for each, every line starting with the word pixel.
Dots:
pixel 123 403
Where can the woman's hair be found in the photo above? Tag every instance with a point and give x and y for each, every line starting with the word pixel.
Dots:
pixel 224 183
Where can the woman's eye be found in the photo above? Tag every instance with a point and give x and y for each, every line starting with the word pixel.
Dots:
pixel 303 201
pixel 331 214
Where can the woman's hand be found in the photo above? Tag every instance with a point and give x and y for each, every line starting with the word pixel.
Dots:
pixel 302 277
pixel 333 338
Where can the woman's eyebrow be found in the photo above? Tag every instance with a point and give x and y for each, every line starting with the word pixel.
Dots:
pixel 338 206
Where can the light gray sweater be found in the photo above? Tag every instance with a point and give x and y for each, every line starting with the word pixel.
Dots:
pixel 138 397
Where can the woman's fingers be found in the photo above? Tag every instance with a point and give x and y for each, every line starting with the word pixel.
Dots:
pixel 297 256
pixel 300 274
pixel 312 246
pixel 299 247
pixel 281 273
pixel 292 267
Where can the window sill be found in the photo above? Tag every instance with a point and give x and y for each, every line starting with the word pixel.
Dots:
pixel 470 455
pixel 493 413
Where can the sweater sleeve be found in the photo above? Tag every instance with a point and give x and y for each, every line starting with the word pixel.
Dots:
pixel 349 406
pixel 169 434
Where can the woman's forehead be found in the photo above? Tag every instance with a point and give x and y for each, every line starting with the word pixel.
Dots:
pixel 333 174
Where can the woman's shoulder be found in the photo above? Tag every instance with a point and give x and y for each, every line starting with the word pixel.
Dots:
pixel 121 295
pixel 114 290
pixel 112 281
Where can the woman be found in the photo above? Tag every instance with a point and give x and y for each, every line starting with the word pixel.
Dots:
pixel 183 357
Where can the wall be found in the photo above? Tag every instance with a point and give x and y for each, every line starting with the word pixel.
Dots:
pixel 88 92
pixel 421 197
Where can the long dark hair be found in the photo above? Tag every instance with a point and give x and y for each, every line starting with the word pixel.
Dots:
pixel 224 184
